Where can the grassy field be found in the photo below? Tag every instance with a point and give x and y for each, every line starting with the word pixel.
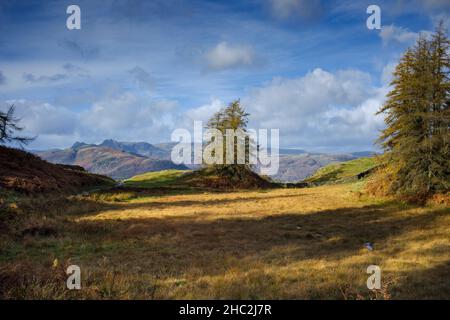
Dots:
pixel 152 239
pixel 280 243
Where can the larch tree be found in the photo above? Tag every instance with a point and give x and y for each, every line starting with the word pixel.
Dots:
pixel 229 121
pixel 416 138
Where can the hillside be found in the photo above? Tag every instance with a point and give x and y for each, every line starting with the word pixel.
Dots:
pixel 226 178
pixel 206 178
pixel 342 172
pixel 109 161
pixel 295 167
pixel 24 172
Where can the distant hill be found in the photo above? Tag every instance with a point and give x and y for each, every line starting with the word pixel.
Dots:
pixel 24 172
pixel 112 161
pixel 343 172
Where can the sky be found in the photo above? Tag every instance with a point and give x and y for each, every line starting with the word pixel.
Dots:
pixel 137 70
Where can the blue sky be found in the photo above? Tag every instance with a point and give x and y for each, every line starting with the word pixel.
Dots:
pixel 139 69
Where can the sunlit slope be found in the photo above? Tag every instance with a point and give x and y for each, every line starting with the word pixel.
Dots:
pixel 155 179
pixel 343 172
pixel 226 178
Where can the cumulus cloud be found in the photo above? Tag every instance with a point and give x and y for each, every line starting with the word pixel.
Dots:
pixel 43 118
pixel 320 109
pixel 226 56
pixel 130 116
pixel 312 93
pixel 306 9
pixel 393 33
pixel 203 112
pixel 123 116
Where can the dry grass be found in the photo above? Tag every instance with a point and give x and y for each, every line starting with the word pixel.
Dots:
pixel 274 244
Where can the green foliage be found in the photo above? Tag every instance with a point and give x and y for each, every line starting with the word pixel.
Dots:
pixel 342 172
pixel 233 118
pixel 416 139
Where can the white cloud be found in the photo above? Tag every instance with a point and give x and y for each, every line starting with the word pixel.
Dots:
pixel 54 126
pixel 204 112
pixel 124 116
pixel 225 56
pixel 324 109
pixel 320 111
pixel 393 33
pixel 312 93
pixel 130 116
pixel 44 118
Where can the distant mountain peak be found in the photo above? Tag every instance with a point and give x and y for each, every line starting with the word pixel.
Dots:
pixel 109 142
pixel 112 142
pixel 78 145
pixel 137 148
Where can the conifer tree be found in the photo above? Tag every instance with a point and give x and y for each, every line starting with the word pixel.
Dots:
pixel 416 138
pixel 233 117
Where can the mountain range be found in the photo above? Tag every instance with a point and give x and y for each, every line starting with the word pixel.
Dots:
pixel 115 159
pixel 122 160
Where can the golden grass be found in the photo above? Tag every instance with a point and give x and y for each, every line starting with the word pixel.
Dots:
pixel 274 244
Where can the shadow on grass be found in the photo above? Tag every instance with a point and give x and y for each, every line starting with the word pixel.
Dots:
pixel 328 235
pixel 174 246
pixel 158 205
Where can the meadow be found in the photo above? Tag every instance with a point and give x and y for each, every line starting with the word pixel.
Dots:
pixel 169 243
